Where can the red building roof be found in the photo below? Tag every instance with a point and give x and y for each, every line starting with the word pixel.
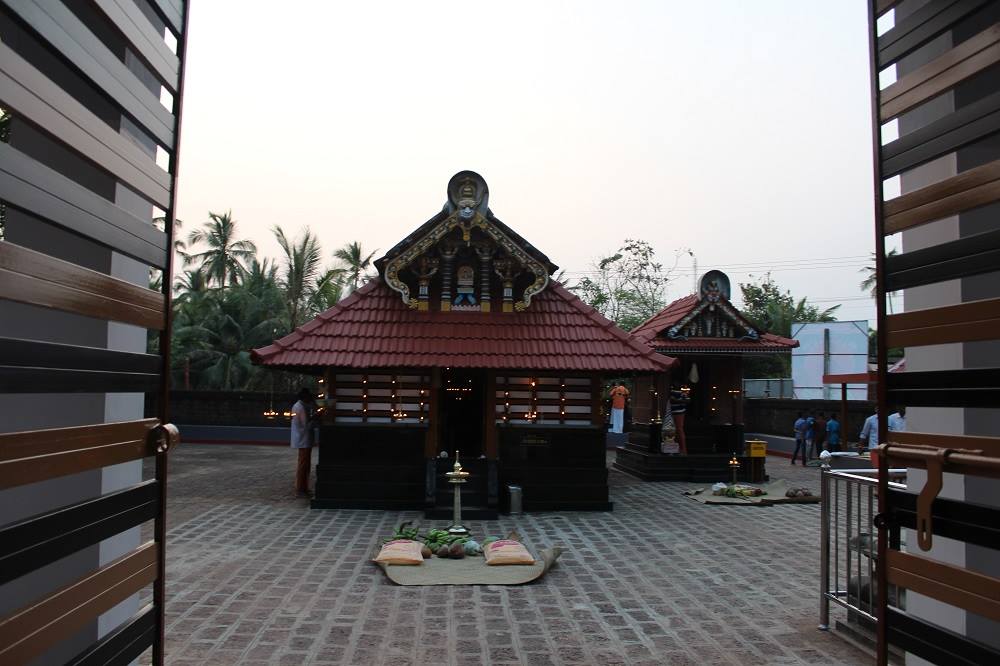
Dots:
pixel 654 332
pixel 373 328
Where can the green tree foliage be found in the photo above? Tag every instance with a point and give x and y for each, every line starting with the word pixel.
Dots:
pixel 628 286
pixel 354 264
pixel 774 310
pixel 219 317
pixel 869 284
pixel 226 257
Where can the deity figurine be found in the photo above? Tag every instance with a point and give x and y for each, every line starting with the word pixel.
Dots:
pixel 466 286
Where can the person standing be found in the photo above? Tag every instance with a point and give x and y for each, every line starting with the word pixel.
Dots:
pixel 302 438
pixel 833 433
pixel 619 394
pixel 897 421
pixel 810 437
pixel 819 439
pixel 869 432
pixel 800 438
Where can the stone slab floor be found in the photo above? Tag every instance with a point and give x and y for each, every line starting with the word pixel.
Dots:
pixel 256 577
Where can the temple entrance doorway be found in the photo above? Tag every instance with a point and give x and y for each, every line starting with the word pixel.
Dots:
pixel 462 404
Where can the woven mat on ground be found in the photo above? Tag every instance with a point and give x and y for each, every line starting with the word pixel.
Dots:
pixel 775 494
pixel 470 571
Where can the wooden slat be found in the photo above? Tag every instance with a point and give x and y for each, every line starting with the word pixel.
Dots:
pixel 974 320
pixel 31 95
pixel 40 468
pixel 29 632
pixel 124 645
pixel 934 644
pixel 15 445
pixel 920 27
pixel 143 39
pixel 953 585
pixel 962 257
pixel 969 189
pixel 69 36
pixel 941 74
pixel 882 6
pixel 990 446
pixel 30 185
pixel 32 277
pixel 171 12
pixel 36 542
pixel 969 124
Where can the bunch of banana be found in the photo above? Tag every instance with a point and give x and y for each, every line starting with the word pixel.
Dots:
pixel 437 538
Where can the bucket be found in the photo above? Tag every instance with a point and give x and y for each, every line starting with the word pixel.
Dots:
pixel 516 499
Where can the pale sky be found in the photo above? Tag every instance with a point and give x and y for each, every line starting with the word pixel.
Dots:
pixel 737 129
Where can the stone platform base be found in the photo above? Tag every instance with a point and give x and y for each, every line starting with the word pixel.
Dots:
pixel 702 468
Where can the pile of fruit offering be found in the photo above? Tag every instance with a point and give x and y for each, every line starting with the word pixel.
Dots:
pixel 737 490
pixel 441 543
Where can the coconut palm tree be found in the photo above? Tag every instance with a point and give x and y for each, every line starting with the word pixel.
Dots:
pixel 354 264
pixel 870 283
pixel 300 272
pixel 225 257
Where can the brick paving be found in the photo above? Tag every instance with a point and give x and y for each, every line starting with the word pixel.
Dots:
pixel 255 577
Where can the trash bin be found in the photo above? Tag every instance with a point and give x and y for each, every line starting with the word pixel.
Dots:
pixel 516 499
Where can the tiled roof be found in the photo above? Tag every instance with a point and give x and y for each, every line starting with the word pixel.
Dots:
pixel 373 328
pixel 653 332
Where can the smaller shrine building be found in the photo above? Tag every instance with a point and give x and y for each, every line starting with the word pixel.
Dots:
pixel 709 338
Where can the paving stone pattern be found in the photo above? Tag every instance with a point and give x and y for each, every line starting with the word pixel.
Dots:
pixel 256 577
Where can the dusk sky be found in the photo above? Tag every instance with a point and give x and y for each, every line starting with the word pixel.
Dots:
pixel 737 129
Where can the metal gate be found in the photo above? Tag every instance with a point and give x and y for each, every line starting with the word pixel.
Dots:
pixel 945 107
pixel 90 95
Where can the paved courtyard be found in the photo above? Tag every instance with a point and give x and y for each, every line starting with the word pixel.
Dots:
pixel 255 577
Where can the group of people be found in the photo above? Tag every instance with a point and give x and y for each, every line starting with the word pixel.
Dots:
pixel 813 432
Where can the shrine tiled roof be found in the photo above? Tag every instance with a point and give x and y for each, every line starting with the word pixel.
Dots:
pixel 653 332
pixel 373 328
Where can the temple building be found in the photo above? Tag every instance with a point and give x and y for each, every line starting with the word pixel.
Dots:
pixel 463 342
pixel 710 338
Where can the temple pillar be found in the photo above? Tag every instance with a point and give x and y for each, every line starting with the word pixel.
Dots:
pixel 448 252
pixel 485 253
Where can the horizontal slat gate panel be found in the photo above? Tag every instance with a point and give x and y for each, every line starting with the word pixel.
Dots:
pixel 34 97
pixel 882 6
pixel 122 646
pixel 921 27
pixel 967 125
pixel 32 186
pixel 971 387
pixel 990 446
pixel 973 320
pixel 143 39
pixel 16 445
pixel 33 543
pixel 32 353
pixel 18 379
pixel 39 468
pixel 28 366
pixel 32 277
pixel 937 645
pixel 171 13
pixel 941 74
pixel 970 189
pixel 962 521
pixel 953 585
pixel 29 632
pixel 67 35
pixel 972 255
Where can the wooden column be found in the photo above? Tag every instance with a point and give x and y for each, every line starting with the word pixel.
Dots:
pixel 489 416
pixel 431 443
pixel 843 419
